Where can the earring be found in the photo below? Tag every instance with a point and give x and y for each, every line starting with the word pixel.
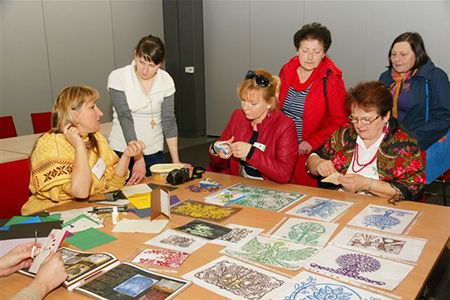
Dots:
pixel 385 128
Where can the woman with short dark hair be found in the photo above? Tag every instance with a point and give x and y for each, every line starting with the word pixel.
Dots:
pixel 374 154
pixel 312 94
pixel 421 94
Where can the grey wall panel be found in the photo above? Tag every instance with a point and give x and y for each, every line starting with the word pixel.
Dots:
pixel 272 27
pixel 227 58
pixel 80 46
pixel 132 20
pixel 25 85
pixel 431 20
pixel 348 46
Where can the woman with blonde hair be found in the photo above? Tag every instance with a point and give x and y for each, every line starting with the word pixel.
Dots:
pixel 259 141
pixel 73 160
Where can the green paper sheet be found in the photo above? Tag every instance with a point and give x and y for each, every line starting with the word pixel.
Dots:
pixel 89 238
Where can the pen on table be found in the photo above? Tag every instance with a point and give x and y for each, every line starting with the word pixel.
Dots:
pixel 34 245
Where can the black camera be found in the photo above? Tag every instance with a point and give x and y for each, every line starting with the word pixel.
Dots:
pixel 178 176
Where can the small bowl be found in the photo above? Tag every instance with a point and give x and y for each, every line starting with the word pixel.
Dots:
pixel 160 171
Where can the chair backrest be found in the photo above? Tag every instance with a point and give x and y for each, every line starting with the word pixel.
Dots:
pixel 7 128
pixel 14 181
pixel 42 122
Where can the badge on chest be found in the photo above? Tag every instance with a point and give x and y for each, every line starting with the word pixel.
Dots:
pixel 99 168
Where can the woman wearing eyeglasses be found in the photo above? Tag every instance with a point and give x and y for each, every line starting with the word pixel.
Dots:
pixel 259 141
pixel 374 154
pixel 312 94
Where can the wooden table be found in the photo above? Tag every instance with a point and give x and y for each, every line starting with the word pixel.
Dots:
pixel 21 146
pixel 432 224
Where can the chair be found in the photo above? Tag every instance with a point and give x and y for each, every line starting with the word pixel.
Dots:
pixel 14 180
pixel 42 122
pixel 7 128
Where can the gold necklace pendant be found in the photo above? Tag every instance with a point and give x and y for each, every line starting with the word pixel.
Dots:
pixel 153 123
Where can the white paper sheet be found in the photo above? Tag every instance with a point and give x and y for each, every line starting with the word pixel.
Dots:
pixel 359 267
pixel 380 244
pixel 384 218
pixel 306 232
pixel 322 209
pixel 145 226
pixel 177 240
pixel 130 190
pixel 51 244
pixel 235 279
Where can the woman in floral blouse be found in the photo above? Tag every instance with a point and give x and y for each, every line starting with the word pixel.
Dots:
pixel 374 154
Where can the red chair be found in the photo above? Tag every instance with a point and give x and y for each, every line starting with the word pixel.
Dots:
pixel 14 180
pixel 7 128
pixel 42 122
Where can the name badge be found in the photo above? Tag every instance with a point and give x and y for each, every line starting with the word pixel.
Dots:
pixel 260 146
pixel 99 168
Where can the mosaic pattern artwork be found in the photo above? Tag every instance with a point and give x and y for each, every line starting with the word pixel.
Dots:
pixel 198 188
pixel 178 241
pixel 272 252
pixel 238 235
pixel 161 258
pixel 362 268
pixel 236 280
pixel 384 218
pixel 380 244
pixel 313 233
pixel 204 229
pixel 311 286
pixel 259 197
pixel 321 209
pixel 200 210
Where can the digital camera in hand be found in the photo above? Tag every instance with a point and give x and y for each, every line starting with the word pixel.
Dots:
pixel 178 176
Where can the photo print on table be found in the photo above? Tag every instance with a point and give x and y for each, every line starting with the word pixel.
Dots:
pixel 204 229
pixel 176 240
pixel 306 232
pixel 384 218
pixel 200 210
pixel 307 285
pixel 381 244
pixel 359 267
pixel 259 197
pixel 161 258
pixel 273 252
pixel 322 209
pixel 238 235
pixel 235 279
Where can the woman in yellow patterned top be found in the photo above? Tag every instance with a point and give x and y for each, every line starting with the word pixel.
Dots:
pixel 74 160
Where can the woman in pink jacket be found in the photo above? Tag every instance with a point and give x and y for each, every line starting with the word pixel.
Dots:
pixel 259 141
pixel 312 94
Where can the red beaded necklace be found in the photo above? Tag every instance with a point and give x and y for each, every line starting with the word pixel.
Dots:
pixel 356 160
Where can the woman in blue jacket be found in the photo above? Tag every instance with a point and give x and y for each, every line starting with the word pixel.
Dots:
pixel 421 94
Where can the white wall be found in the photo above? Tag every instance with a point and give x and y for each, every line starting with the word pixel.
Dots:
pixel 248 34
pixel 47 45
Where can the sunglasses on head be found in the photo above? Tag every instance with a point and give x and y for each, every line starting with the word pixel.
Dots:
pixel 261 80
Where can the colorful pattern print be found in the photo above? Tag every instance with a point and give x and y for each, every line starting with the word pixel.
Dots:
pixel 376 242
pixel 321 209
pixel 273 252
pixel 259 197
pixel 201 210
pixel 314 287
pixel 161 257
pixel 179 241
pixel 398 161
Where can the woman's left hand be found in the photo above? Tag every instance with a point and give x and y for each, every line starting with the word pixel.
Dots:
pixel 354 183
pixel 134 148
pixel 16 259
pixel 240 149
pixel 304 148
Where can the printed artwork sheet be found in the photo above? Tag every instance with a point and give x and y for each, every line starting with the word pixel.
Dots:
pixel 176 240
pixel 161 258
pixel 204 229
pixel 380 244
pixel 224 197
pixel 322 209
pixel 307 285
pixel 200 210
pixel 259 197
pixel 306 232
pixel 235 279
pixel 238 235
pixel 359 267
pixel 384 218
pixel 274 252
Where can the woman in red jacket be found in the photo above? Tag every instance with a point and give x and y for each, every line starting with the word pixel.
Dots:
pixel 312 94
pixel 259 141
